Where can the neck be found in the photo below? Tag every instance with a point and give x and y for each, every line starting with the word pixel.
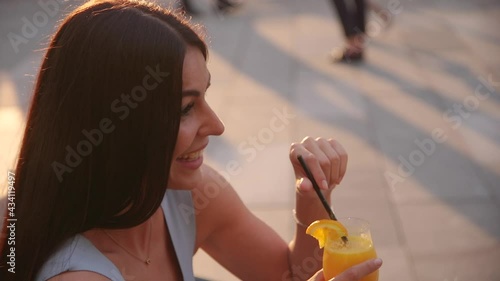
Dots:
pixel 136 239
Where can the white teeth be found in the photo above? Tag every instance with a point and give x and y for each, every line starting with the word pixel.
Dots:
pixel 191 156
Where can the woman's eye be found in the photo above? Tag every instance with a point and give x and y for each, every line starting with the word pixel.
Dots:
pixel 187 108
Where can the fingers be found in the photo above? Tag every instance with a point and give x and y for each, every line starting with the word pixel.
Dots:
pixel 318 163
pixel 326 159
pixel 332 165
pixel 359 271
pixel 354 273
pixel 317 277
pixel 342 157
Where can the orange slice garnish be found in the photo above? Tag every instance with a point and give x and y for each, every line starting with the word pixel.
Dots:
pixel 326 229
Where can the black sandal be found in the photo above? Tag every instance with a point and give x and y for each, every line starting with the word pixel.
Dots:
pixel 346 56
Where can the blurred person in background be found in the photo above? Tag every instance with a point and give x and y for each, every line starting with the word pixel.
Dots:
pixel 352 15
pixel 110 181
pixel 221 6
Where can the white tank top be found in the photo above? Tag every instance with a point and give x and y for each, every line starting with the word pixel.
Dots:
pixel 79 254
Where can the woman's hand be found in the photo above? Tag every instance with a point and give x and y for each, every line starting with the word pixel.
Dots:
pixel 326 158
pixel 327 161
pixel 354 273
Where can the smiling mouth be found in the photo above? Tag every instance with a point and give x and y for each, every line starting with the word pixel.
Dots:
pixel 191 156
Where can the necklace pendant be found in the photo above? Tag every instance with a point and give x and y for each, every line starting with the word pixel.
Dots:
pixel 148 261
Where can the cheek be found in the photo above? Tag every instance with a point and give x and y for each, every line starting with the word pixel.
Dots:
pixel 178 145
pixel 183 142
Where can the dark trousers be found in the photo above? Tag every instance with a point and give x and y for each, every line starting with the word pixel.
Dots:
pixel 352 15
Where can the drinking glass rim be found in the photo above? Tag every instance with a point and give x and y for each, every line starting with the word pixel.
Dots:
pixel 362 224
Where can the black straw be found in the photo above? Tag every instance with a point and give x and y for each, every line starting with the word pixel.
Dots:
pixel 316 188
pixel 318 191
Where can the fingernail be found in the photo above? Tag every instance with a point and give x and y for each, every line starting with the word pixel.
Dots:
pixel 377 262
pixel 324 184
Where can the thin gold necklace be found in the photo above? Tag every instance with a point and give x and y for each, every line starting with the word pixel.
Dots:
pixel 147 261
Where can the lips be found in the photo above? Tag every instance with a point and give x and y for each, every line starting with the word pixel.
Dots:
pixel 191 156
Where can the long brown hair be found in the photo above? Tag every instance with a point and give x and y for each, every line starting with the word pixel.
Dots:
pixel 101 129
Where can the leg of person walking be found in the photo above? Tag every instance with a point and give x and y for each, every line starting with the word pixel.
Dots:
pixel 353 23
pixel 227 5
pixel 220 6
pixel 344 16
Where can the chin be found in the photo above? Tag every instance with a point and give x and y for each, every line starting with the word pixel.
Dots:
pixel 185 180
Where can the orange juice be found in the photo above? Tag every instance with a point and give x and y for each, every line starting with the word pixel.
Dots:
pixel 339 256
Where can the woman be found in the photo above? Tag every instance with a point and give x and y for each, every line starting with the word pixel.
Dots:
pixel 111 162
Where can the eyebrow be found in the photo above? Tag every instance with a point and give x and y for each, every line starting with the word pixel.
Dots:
pixel 196 93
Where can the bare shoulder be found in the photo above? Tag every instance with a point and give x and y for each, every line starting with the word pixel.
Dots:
pixel 79 276
pixel 216 204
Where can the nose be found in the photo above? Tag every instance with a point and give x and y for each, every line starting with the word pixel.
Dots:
pixel 212 125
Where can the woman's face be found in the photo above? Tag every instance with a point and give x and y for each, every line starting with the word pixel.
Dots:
pixel 198 121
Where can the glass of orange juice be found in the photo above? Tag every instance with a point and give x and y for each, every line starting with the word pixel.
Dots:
pixel 339 255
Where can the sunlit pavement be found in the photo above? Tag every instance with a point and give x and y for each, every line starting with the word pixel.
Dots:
pixel 420 120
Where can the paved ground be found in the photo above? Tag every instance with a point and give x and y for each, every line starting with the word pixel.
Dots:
pixel 420 120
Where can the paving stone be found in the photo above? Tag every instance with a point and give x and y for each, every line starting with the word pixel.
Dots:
pixel 452 228
pixel 440 223
pixel 474 265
